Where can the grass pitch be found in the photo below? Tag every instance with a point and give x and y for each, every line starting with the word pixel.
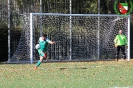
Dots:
pixel 99 74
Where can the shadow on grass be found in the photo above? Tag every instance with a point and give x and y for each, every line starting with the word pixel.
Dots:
pixel 73 68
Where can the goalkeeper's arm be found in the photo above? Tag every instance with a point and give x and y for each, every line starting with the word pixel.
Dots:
pixel 115 41
pixel 126 42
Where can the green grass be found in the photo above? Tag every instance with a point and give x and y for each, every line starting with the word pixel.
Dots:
pixel 98 74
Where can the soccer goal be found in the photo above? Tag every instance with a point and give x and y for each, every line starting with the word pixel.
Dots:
pixel 76 36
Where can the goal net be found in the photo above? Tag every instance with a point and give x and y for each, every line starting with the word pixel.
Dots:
pixel 76 36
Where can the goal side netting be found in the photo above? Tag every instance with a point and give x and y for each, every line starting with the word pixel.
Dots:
pixel 76 36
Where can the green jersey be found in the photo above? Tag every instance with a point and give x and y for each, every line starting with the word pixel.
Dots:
pixel 43 44
pixel 120 39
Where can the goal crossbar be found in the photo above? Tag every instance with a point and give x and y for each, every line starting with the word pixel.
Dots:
pixel 57 14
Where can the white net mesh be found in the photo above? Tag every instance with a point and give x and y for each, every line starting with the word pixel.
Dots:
pixel 22 52
pixel 90 38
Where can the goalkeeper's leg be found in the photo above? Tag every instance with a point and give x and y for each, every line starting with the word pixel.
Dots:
pixel 117 54
pixel 123 51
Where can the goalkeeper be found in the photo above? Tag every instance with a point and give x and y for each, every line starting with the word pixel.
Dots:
pixel 43 43
pixel 120 43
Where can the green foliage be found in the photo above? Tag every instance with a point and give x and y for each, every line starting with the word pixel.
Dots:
pixel 60 6
pixel 84 6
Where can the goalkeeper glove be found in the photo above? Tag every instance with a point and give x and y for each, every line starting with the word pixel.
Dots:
pixel 116 45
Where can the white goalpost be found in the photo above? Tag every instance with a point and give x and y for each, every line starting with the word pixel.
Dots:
pixel 77 36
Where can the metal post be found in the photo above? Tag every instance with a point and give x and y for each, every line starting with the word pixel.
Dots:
pixel 9 28
pixel 40 18
pixel 31 38
pixel 98 29
pixel 128 38
pixel 70 28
